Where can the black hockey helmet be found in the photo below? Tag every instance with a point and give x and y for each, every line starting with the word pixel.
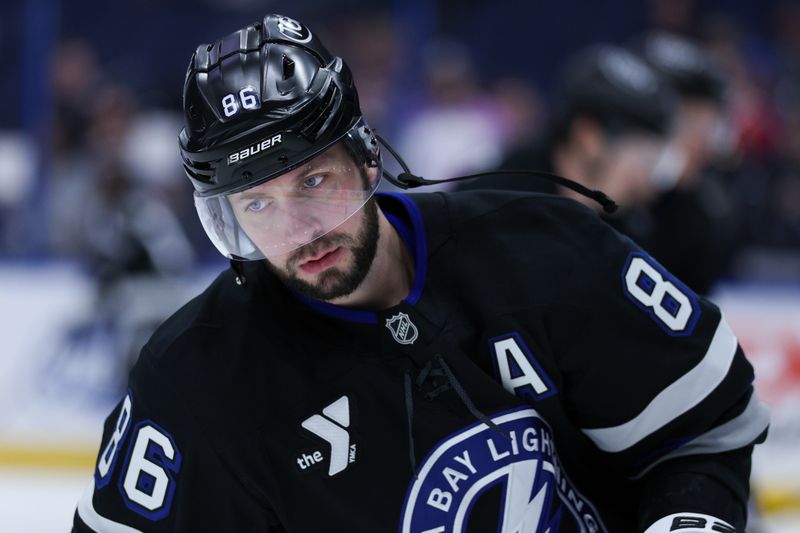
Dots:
pixel 616 88
pixel 259 103
pixel 692 71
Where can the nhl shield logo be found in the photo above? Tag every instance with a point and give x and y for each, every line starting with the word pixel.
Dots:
pixel 403 330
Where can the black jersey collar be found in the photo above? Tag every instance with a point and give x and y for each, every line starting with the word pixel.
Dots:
pixel 404 215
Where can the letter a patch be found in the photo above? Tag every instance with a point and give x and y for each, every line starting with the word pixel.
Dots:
pixel 518 370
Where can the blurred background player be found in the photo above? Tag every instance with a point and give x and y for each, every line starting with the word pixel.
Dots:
pixel 696 225
pixel 647 129
pixel 609 130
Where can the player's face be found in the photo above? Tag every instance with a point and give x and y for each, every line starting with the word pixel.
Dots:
pixel 304 204
pixel 626 168
pixel 334 265
pixel 700 135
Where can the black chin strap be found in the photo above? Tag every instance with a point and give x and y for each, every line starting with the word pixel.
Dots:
pixel 407 180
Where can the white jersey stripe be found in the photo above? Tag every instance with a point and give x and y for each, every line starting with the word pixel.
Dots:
pixel 680 396
pixel 733 434
pixel 92 519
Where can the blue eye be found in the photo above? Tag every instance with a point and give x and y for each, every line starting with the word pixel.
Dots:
pixel 313 181
pixel 256 205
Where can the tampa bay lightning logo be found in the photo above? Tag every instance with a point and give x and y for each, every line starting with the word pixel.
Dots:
pixel 537 495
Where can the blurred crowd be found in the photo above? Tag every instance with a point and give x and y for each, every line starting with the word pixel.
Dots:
pixel 691 123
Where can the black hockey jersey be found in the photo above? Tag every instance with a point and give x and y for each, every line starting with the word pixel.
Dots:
pixel 543 374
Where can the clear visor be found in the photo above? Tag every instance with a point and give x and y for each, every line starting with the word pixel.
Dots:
pixel 280 215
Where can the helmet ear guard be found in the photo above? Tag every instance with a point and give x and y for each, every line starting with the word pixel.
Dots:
pixel 362 144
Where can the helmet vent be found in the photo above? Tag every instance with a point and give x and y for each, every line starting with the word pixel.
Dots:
pixel 288 68
pixel 317 120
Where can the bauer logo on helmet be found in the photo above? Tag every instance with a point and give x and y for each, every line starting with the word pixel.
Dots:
pixel 241 155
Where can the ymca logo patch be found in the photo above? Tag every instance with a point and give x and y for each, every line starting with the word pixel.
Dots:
pixel 537 495
pixel 332 427
pixel 403 330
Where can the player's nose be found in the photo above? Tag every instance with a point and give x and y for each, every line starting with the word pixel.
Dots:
pixel 301 224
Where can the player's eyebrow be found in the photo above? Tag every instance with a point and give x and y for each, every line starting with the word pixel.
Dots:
pixel 321 164
pixel 249 195
pixel 321 160
pixel 310 166
pixel 300 173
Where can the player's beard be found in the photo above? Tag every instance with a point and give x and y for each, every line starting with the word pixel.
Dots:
pixel 333 282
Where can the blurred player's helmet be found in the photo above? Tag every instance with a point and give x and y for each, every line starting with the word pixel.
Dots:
pixel 704 132
pixel 616 88
pixel 627 98
pixel 259 103
pixel 691 70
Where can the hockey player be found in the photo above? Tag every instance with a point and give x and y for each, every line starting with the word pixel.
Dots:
pixel 609 130
pixel 697 227
pixel 415 363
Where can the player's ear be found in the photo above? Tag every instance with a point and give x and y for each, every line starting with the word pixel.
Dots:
pixel 371 172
